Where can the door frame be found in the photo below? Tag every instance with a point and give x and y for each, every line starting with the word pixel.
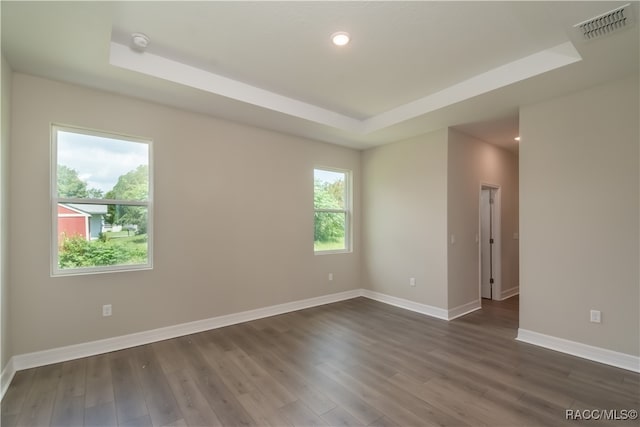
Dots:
pixel 496 292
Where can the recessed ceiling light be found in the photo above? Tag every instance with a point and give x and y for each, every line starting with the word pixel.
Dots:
pixel 340 38
pixel 517 138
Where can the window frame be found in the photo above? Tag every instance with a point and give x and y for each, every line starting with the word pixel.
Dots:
pixel 348 203
pixel 56 271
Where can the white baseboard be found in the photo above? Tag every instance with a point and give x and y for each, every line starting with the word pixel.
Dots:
pixel 76 351
pixel 463 309
pixel 62 354
pixel 597 354
pixel 5 378
pixel 508 293
pixel 429 310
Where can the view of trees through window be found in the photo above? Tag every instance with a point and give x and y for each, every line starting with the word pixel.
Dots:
pixel 102 200
pixel 331 215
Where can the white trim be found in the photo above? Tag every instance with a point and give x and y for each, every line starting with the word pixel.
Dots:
pixel 501 76
pixel 71 352
pixel 56 202
pixel 61 354
pixel 597 354
pixel 497 237
pixel 6 377
pixel 78 214
pixel 429 310
pixel 461 310
pixel 164 68
pixel 347 211
pixel 123 56
pixel 508 293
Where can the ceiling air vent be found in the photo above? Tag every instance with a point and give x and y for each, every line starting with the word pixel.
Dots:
pixel 607 23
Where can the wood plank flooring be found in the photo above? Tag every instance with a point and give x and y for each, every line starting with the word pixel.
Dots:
pixel 352 363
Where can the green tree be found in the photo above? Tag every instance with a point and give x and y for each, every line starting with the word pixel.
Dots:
pixel 329 226
pixel 110 217
pixel 133 185
pixel 336 190
pixel 95 193
pixel 70 184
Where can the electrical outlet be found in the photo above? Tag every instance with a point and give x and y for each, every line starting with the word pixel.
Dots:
pixel 330 277
pixel 412 281
pixel 106 310
pixel 596 316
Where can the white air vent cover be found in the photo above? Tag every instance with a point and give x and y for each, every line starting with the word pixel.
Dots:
pixel 606 23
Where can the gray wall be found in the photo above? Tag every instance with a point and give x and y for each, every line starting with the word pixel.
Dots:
pixel 5 343
pixel 579 197
pixel 417 193
pixel 471 163
pixel 405 220
pixel 233 220
pixel 579 227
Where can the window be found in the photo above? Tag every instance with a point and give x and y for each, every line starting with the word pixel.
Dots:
pixel 332 203
pixel 101 198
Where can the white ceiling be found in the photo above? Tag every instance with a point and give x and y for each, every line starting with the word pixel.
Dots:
pixel 411 67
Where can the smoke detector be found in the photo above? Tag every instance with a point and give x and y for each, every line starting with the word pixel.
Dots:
pixel 139 41
pixel 607 23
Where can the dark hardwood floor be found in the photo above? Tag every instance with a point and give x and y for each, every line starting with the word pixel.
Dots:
pixel 352 363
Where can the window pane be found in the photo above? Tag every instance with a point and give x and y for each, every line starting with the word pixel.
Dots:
pixel 98 167
pixel 329 231
pixel 329 189
pixel 92 235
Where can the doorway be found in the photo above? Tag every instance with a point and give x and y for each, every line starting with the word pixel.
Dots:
pixel 489 243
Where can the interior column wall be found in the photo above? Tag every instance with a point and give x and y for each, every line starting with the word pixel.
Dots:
pixel 580 191
pixel 471 163
pixel 404 225
pixel 5 134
